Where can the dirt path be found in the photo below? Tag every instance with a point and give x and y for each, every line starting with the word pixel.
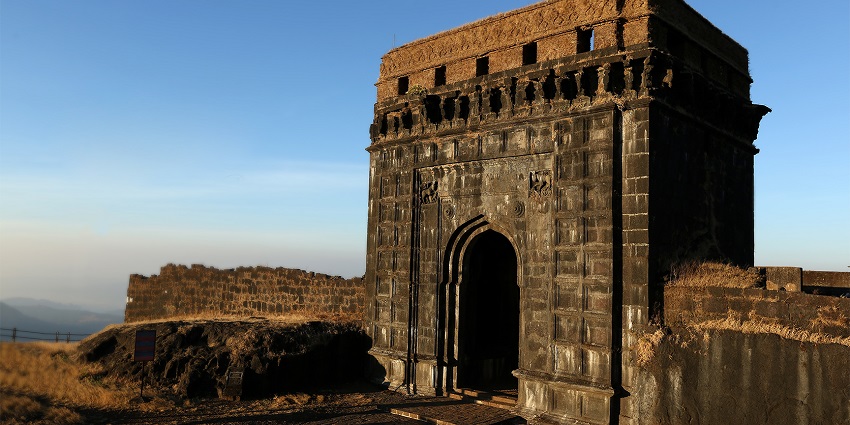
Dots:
pixel 357 403
pixel 360 406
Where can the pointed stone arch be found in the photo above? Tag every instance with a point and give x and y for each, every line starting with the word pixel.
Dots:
pixel 468 282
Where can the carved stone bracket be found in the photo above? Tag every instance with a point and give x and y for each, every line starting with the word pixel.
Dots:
pixel 540 184
pixel 604 79
pixel 428 192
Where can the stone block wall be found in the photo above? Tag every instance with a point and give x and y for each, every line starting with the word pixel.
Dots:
pixel 818 279
pixel 795 279
pixel 783 278
pixel 199 291
pixel 828 316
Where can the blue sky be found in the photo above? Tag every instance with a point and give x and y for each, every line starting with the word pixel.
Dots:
pixel 137 133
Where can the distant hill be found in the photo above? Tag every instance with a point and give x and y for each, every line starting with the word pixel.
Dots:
pixel 51 319
pixel 19 302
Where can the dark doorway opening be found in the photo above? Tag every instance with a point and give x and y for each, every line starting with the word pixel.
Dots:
pixel 488 328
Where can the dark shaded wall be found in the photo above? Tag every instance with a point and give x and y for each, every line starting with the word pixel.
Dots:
pixel 180 291
pixel 701 193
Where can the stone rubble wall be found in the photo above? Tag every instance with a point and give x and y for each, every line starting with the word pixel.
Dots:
pixel 204 292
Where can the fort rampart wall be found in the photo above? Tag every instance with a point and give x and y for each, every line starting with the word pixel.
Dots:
pixel 744 356
pixel 199 291
pixel 755 310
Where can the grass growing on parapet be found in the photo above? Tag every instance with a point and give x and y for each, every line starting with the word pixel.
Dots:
pixel 830 317
pixel 714 274
pixel 829 327
pixel 43 383
pixel 756 325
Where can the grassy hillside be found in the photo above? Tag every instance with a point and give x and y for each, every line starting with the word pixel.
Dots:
pixel 43 383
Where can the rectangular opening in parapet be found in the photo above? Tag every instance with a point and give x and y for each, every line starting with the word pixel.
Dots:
pixel 676 43
pixel 482 66
pixel 529 53
pixel 585 40
pixel 403 85
pixel 440 76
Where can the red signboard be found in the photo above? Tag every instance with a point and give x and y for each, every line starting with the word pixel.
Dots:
pixel 145 346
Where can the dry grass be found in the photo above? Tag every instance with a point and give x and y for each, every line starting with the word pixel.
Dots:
pixel 296 399
pixel 242 344
pixel 247 341
pixel 713 274
pixel 824 329
pixel 43 383
pixel 27 410
pixel 756 325
pixel 646 347
pixel 830 317
pixel 288 318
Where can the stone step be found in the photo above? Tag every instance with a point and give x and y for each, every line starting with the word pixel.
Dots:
pixel 497 402
pixel 451 411
pixel 487 398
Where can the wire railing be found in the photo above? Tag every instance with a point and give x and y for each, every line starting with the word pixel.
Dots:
pixel 15 334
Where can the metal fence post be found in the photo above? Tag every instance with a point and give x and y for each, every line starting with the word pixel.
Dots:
pixel 57 336
pixel 14 334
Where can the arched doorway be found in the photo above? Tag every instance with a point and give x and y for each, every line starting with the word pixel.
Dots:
pixel 488 314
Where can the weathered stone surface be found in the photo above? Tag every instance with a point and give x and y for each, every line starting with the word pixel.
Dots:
pixel 827 316
pixel 826 279
pixel 596 168
pixel 784 278
pixel 729 377
pixel 744 356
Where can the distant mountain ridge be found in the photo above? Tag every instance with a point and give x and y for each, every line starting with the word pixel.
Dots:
pixel 19 302
pixel 50 317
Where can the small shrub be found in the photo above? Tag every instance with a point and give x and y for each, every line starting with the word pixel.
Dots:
pixel 417 90
pixel 646 347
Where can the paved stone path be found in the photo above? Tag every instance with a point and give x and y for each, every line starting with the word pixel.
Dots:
pixel 446 411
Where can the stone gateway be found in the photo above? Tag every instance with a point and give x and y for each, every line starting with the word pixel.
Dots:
pixel 533 176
